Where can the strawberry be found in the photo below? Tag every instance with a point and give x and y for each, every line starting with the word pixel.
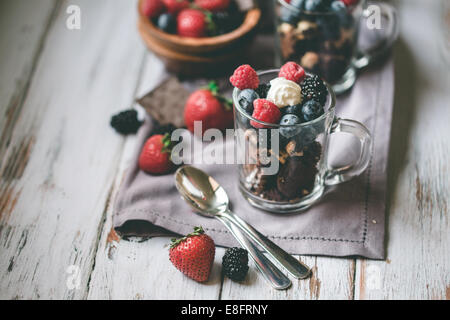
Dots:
pixel 152 8
pixel 155 155
pixel 213 5
pixel 193 255
pixel 175 6
pixel 191 23
pixel 265 111
pixel 207 106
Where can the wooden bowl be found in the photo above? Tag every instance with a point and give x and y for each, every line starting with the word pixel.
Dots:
pixel 199 56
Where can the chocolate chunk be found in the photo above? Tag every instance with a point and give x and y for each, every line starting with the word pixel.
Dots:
pixel 312 154
pixel 165 104
pixel 295 177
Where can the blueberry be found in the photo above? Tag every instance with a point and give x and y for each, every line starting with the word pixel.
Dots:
pixel 246 98
pixel 289 16
pixel 290 120
pixel 167 23
pixel 315 5
pixel 312 110
pixel 344 16
pixel 297 3
pixel 338 6
pixel 296 109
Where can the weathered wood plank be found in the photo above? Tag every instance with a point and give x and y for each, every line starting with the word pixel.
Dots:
pixel 130 270
pixel 418 263
pixel 63 156
pixel 331 279
pixel 22 32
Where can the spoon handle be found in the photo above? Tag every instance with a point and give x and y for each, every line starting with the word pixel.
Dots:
pixel 292 265
pixel 270 272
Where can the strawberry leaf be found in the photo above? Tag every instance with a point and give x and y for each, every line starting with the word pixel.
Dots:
pixel 167 143
pixel 211 26
pixel 214 88
pixel 197 231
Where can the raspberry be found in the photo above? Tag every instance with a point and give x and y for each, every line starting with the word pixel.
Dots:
pixel 292 71
pixel 266 111
pixel 245 77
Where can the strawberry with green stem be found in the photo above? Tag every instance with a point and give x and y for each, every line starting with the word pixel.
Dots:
pixel 208 107
pixel 155 155
pixel 193 254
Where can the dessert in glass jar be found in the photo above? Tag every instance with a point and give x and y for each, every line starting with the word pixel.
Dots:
pixel 322 36
pixel 283 121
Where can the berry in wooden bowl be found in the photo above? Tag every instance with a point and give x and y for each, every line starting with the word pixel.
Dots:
pixel 196 37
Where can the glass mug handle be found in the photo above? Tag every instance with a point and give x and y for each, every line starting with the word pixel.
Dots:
pixel 363 59
pixel 338 175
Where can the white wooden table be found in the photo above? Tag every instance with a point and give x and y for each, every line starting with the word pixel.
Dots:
pixel 61 163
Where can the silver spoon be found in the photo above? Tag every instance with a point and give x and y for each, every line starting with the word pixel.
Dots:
pixel 208 198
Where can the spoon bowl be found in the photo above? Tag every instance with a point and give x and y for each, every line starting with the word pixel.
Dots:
pixel 201 191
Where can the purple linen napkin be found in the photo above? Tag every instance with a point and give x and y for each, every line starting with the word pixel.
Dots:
pixel 348 221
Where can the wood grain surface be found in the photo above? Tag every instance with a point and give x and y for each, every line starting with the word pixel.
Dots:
pixel 61 165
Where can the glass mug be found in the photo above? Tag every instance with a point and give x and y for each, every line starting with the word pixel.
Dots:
pixel 292 174
pixel 329 43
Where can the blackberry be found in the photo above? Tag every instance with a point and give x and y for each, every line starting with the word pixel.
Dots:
pixel 262 90
pixel 313 88
pixel 235 264
pixel 126 122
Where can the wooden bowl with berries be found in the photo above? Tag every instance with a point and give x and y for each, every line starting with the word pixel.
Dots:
pixel 197 37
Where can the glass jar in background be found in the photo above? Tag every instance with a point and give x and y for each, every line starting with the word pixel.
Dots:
pixel 323 36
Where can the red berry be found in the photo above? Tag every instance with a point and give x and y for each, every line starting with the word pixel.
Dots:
pixel 266 111
pixel 203 106
pixel 292 71
pixel 191 23
pixel 152 8
pixel 175 6
pixel 245 77
pixel 193 255
pixel 350 2
pixel 154 158
pixel 213 5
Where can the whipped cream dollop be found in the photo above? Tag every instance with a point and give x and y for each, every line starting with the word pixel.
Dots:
pixel 284 92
